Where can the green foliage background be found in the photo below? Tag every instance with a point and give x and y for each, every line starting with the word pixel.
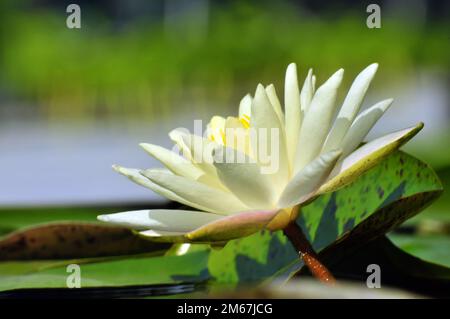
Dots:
pixel 147 68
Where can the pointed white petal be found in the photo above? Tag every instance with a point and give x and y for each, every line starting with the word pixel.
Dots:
pixel 135 176
pixel 161 219
pixel 293 116
pixel 355 95
pixel 268 139
pixel 306 93
pixel 243 177
pixel 365 157
pixel 175 163
pixel 309 179
pixel 362 125
pixel 273 98
pixel 313 81
pixel 180 166
pixel 317 121
pixel 208 198
pixel 245 106
pixel 350 107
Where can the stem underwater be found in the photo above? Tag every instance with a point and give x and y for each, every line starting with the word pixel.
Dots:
pixel 307 254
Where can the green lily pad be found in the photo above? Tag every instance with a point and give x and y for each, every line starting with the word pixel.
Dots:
pixel 432 248
pixel 136 270
pixel 391 192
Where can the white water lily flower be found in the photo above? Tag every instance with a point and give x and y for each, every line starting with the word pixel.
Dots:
pixel 318 152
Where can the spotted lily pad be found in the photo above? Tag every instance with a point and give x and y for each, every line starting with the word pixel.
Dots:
pixel 73 240
pixel 391 192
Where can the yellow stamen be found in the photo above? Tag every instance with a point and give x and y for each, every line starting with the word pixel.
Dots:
pixel 222 134
pixel 245 120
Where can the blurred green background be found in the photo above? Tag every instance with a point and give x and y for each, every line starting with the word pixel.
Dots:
pixel 75 101
pixel 141 59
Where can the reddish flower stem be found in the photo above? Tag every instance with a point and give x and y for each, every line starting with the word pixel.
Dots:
pixel 307 253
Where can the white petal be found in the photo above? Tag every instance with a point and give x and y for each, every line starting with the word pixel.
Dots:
pixel 176 136
pixel 135 176
pixel 362 125
pixel 175 163
pixel 243 178
pixel 266 127
pixel 160 233
pixel 216 129
pixel 355 96
pixel 293 116
pixel 306 93
pixel 350 107
pixel 208 198
pixel 196 148
pixel 245 106
pixel 233 123
pixel 180 166
pixel 164 236
pixel 273 98
pixel 161 219
pixel 317 121
pixel 201 152
pixel 367 156
pixel 237 136
pixel 309 179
